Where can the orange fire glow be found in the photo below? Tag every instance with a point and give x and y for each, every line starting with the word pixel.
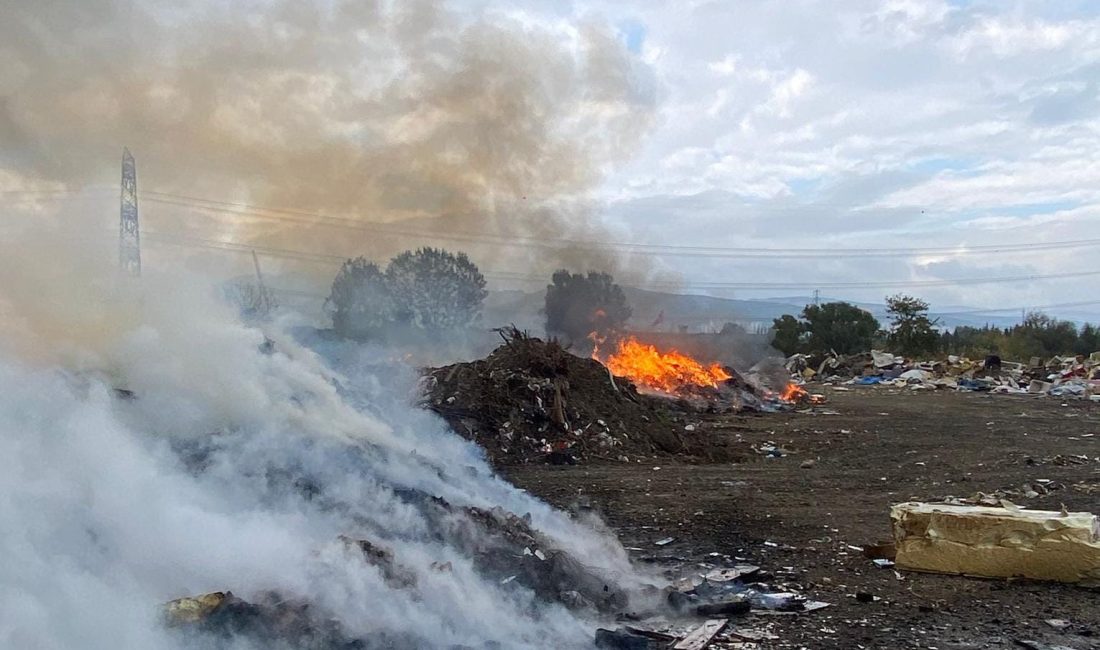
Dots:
pixel 794 393
pixel 669 372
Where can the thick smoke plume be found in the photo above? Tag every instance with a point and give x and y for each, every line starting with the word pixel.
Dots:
pixel 409 112
pixel 112 505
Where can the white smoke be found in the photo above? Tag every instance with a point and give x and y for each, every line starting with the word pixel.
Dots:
pixel 207 480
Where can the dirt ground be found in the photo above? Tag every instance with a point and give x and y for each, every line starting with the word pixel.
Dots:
pixel 882 446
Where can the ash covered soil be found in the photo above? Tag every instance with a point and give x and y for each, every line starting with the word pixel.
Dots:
pixel 881 447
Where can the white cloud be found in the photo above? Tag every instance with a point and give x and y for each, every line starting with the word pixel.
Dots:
pixel 1006 37
pixel 894 124
pixel 724 68
pixel 788 90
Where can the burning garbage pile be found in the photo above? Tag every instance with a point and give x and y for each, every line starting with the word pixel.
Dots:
pixel 673 374
pixel 1063 376
pixel 531 400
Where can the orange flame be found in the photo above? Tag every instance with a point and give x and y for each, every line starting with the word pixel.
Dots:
pixel 794 393
pixel 669 372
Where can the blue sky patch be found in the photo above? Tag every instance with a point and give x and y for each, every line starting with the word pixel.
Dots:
pixel 633 34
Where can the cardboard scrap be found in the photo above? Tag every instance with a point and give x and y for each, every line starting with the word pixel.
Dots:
pixel 701 636
pixel 997 542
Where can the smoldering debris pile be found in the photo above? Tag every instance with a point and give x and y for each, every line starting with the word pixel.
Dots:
pixel 271 619
pixel 533 401
pixel 1062 377
pixel 504 547
pixel 696 611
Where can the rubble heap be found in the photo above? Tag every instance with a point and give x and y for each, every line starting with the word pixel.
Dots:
pixel 1065 376
pixel 532 401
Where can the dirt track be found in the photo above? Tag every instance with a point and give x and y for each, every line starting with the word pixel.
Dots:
pixel 884 446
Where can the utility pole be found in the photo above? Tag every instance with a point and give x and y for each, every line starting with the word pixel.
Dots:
pixel 129 237
pixel 259 274
pixel 265 298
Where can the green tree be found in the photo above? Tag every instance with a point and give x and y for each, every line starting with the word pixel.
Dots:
pixel 359 304
pixel 839 326
pixel 1088 340
pixel 579 305
pixel 911 333
pixel 433 289
pixel 974 342
pixel 1041 335
pixel 789 334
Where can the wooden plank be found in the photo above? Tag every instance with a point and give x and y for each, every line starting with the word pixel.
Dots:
pixel 701 636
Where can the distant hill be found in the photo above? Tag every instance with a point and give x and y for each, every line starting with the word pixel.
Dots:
pixel 703 313
pixel 695 312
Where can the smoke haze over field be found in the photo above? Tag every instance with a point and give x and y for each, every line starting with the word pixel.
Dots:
pixel 373 111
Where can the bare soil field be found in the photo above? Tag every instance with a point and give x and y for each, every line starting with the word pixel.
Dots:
pixel 870 448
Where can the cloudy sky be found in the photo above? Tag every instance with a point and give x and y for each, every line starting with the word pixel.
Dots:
pixel 895 124
pixel 749 149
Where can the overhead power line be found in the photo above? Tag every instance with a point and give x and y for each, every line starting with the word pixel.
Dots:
pixel 59 191
pixel 667 250
pixel 335 260
pixel 1000 310
pixel 301 217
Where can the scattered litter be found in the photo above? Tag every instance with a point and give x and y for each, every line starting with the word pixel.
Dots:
pixel 728 608
pixel 624 639
pixel 701 636
pixel 735 573
pixel 1061 376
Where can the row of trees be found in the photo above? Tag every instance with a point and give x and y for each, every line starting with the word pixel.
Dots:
pixel 1039 335
pixel 847 329
pixel 429 289
pixel 434 290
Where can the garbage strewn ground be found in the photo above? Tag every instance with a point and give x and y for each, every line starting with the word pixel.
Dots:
pixel 807 525
pixel 1061 376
